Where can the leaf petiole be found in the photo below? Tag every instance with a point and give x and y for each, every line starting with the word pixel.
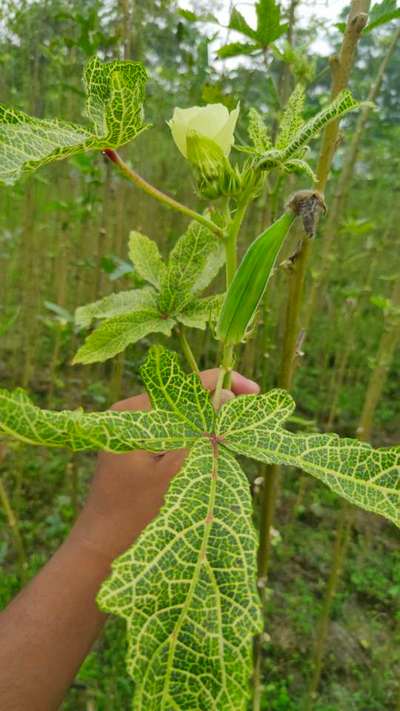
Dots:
pixel 157 194
pixel 186 349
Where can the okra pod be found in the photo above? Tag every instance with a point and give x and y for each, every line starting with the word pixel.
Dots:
pixel 250 281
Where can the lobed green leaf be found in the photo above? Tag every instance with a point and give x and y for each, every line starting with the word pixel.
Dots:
pixel 186 588
pixel 193 263
pixel 292 119
pixel 118 332
pixel 109 431
pixel 269 27
pixel 187 591
pixel 258 132
pixel 146 258
pixel 382 13
pixel 367 477
pixel 116 304
pixel 115 92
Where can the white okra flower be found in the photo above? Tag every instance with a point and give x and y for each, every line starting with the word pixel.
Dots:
pixel 213 121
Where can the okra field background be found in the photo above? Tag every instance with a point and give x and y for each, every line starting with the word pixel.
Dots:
pixel 332 598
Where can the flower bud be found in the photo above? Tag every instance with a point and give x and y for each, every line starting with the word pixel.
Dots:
pixel 215 174
pixel 250 281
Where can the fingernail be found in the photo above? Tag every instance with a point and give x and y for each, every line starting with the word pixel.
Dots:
pixel 250 385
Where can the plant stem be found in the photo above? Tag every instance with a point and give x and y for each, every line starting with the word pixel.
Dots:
pixel 339 552
pixel 388 342
pixel 186 349
pixel 158 195
pixel 344 183
pixel 14 528
pixel 341 71
pixel 341 67
pixel 117 372
pixel 218 389
pixel 230 270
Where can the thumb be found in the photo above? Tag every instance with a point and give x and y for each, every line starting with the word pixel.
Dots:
pixel 226 395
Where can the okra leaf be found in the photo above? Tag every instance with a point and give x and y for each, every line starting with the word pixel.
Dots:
pixel 132 315
pixel 199 312
pixel 115 92
pixel 27 143
pixel 115 95
pixel 269 27
pixel 340 106
pixel 172 389
pixel 258 132
pixel 116 304
pixel 112 431
pixel 116 333
pixel 193 263
pixel 187 591
pixel 235 49
pixel 293 144
pixel 292 119
pixel 381 13
pixel 182 412
pixel 238 23
pixel 146 258
pixel 367 477
pixel 296 165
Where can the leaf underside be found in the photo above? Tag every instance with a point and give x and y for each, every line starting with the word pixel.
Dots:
pixel 173 295
pixel 186 588
pixel 187 591
pixel 367 477
pixel 115 93
pixel 116 304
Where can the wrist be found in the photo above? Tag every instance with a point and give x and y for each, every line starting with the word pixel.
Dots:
pixel 105 536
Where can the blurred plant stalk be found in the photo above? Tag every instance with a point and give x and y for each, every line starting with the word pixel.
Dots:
pixel 384 358
pixel 341 68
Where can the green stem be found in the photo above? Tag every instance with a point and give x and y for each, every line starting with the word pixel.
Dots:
pixel 15 532
pixel 218 389
pixel 186 349
pixel 158 195
pixel 339 553
pixel 230 267
pixel 340 74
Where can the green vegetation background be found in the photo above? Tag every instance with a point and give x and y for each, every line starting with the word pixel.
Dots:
pixel 63 242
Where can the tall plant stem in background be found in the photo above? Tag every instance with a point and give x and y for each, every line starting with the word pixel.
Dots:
pixel 284 78
pixel 386 350
pixel 341 68
pixel 13 524
pixel 343 185
pixel 342 538
pixel 345 349
pixel 158 195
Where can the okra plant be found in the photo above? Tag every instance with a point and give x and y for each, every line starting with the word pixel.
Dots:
pixel 187 587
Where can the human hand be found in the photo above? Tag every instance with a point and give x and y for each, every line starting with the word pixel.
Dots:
pixel 127 490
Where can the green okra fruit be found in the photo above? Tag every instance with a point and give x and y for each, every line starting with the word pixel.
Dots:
pixel 251 279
